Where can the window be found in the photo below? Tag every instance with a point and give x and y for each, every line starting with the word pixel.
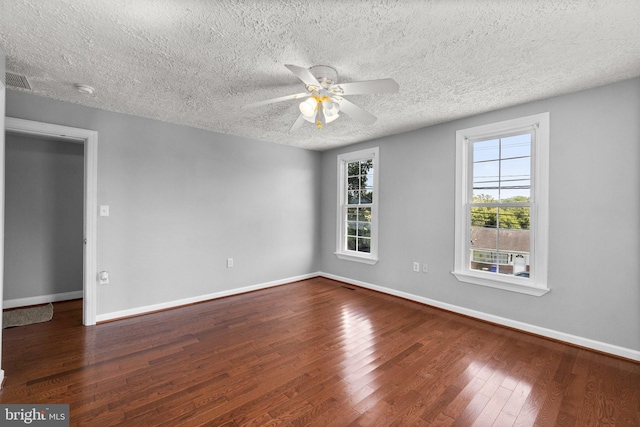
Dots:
pixel 358 206
pixel 501 204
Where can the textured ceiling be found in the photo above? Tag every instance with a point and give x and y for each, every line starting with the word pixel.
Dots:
pixel 197 62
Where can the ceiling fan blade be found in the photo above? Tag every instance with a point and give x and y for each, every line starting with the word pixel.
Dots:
pixel 303 74
pixel 355 112
pixel 297 123
pixel 282 98
pixel 369 86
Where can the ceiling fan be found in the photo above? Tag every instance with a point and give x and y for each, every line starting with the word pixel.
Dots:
pixel 325 96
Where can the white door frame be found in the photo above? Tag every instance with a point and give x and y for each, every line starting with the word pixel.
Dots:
pixel 89 138
pixel 2 107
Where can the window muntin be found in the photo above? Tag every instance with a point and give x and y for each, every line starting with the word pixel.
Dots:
pixel 357 206
pixel 501 204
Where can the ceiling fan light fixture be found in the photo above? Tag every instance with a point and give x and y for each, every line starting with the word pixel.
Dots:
pixel 309 108
pixel 330 108
pixel 329 119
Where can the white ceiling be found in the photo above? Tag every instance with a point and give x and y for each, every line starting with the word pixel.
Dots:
pixel 197 62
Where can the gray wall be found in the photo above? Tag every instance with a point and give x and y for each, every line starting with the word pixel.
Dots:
pixel 594 266
pixel 43 216
pixel 183 200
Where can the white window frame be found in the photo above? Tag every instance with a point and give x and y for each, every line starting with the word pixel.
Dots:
pixel 536 284
pixel 341 248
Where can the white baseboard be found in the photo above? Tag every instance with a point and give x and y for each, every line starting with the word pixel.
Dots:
pixel 526 327
pixel 42 299
pixel 549 333
pixel 173 304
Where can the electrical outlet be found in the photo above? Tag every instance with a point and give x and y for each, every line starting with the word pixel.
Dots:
pixel 103 277
pixel 425 268
pixel 229 262
pixel 416 266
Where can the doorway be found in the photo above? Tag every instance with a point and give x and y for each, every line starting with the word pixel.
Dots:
pixel 89 141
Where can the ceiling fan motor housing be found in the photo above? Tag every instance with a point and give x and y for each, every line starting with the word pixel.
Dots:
pixel 324 74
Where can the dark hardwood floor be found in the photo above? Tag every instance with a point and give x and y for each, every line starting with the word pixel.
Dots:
pixel 315 353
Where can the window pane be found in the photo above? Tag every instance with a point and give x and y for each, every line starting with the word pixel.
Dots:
pixel 484 217
pixel 515 244
pixel 364 245
pixel 515 178
pixel 484 242
pixel 352 214
pixel 364 229
pixel 516 191
pixel 366 197
pixel 484 238
pixel 521 265
pixel 351 228
pixel 364 214
pixel 354 183
pixel 353 197
pixel 514 240
pixel 502 263
pixel 351 243
pixel 486 177
pixel 353 169
pixel 518 218
pixel 367 181
pixel 366 166
pixel 486 150
pixel 516 146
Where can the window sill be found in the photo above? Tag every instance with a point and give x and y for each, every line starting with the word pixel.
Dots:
pixel 507 284
pixel 356 258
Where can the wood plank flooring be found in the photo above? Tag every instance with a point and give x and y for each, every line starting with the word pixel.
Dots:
pixel 312 353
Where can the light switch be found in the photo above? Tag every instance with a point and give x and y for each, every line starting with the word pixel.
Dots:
pixel 104 210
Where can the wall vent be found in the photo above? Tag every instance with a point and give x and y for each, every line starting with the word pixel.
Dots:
pixel 16 80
